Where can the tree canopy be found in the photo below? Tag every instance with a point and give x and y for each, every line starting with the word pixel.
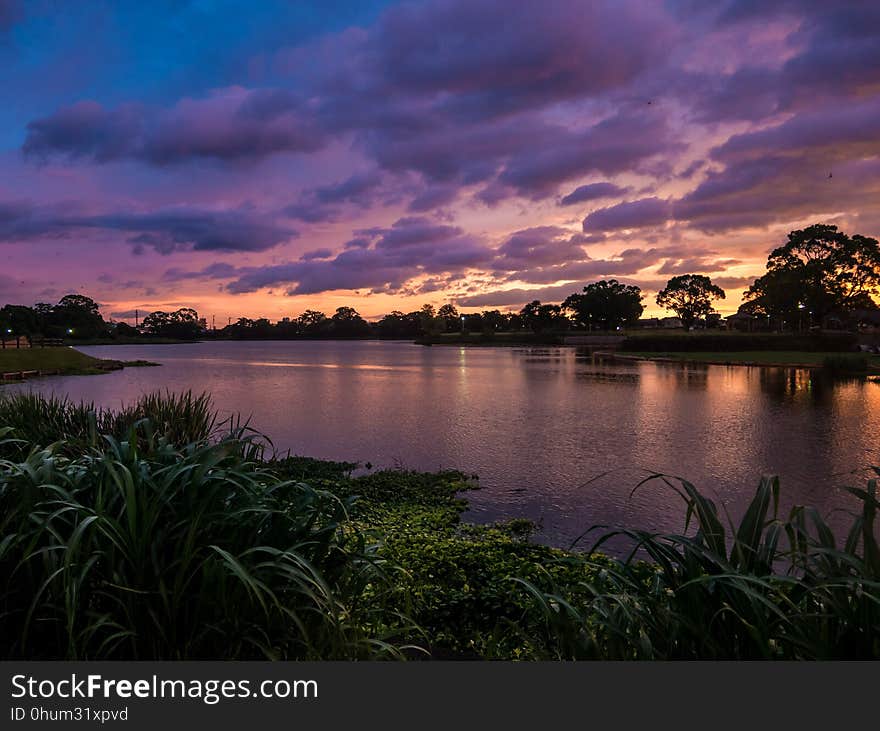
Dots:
pixel 819 269
pixel 690 296
pixel 606 305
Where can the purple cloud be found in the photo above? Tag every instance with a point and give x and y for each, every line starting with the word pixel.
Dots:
pixel 231 125
pixel 165 230
pixel 412 246
pixel 631 214
pixel 591 192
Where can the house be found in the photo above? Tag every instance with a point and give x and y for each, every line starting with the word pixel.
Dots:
pixel 741 321
pixel 671 322
pixel 648 322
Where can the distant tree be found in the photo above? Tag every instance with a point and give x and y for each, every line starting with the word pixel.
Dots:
pixel 494 321
pixel 18 320
pixel 450 317
pixel 182 324
pixel 347 323
pixel 124 330
pixel 472 322
pixel 428 320
pixel 819 270
pixel 690 296
pixel 76 315
pixel 605 305
pixel 540 318
pixel 313 323
pixel 155 322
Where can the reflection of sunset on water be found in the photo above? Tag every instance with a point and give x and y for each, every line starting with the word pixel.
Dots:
pixel 555 434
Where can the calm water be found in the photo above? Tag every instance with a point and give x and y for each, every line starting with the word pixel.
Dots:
pixel 553 435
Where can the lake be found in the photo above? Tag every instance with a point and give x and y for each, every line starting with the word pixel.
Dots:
pixel 553 435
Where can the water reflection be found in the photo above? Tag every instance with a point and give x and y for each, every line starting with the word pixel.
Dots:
pixel 558 435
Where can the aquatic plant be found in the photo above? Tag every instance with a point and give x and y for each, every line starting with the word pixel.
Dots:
pixel 769 588
pixel 143 549
pixel 181 418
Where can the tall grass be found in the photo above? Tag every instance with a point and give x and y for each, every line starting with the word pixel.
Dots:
pixel 144 547
pixel 181 418
pixel 769 588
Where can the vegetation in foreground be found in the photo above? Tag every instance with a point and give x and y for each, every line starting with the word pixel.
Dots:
pixel 66 361
pixel 160 532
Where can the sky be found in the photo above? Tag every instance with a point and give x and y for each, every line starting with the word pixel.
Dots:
pixel 259 158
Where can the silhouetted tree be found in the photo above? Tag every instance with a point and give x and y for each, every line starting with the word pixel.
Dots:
pixel 690 296
pixel 313 323
pixel 347 323
pixel 606 305
pixel 450 317
pixel 540 318
pixel 819 270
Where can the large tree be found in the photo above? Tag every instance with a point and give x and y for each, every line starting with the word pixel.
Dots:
pixel 313 323
pixel 347 323
pixel 182 324
pixel 690 296
pixel 820 270
pixel 450 317
pixel 540 317
pixel 76 315
pixel 606 305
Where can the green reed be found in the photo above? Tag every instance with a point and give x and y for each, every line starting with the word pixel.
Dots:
pixel 144 548
pixel 768 588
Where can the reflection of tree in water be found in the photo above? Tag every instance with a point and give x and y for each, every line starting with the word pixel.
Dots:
pixel 541 355
pixel 797 385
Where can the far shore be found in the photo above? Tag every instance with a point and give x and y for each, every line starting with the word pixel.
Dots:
pixel 759 358
pixel 25 363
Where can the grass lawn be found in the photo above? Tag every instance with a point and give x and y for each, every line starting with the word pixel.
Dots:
pixel 747 357
pixel 64 360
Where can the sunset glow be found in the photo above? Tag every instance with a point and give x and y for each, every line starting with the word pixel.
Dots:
pixel 261 159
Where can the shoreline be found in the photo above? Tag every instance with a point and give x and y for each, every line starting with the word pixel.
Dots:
pixel 684 358
pixel 27 363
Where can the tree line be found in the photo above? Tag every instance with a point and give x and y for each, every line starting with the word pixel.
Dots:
pixel 819 271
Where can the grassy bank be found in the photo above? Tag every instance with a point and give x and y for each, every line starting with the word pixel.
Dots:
pixel 161 532
pixel 63 361
pixel 787 358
